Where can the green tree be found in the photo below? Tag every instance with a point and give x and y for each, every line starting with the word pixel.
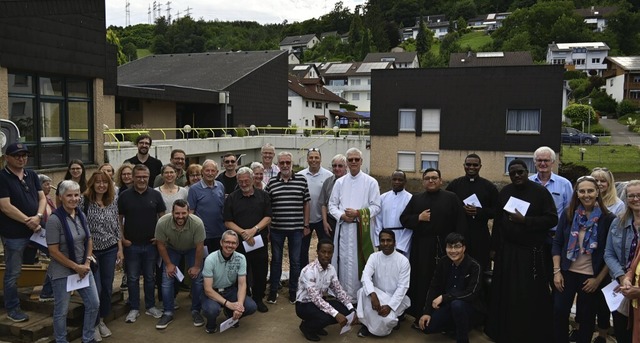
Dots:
pixel 112 38
pixel 375 23
pixel 448 45
pixel 365 48
pixel 579 114
pixel 623 32
pixel 355 30
pixel 424 38
pixel 625 107
pixel 130 52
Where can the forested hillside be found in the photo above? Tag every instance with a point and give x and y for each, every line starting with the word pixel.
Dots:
pixel 376 26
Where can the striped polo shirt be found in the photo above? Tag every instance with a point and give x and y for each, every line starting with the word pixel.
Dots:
pixel 287 201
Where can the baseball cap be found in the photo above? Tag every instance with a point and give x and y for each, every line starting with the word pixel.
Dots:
pixel 16 148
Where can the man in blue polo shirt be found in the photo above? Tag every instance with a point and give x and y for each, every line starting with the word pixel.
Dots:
pixel 206 200
pixel 22 203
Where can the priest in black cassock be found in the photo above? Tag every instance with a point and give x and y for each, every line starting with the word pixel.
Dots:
pixel 478 237
pixel 521 303
pixel 431 215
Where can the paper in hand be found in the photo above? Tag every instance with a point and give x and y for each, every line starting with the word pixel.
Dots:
pixel 472 200
pixel 515 203
pixel 227 324
pixel 350 319
pixel 40 237
pixel 257 243
pixel 75 282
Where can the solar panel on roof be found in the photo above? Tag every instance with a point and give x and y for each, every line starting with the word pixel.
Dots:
pixel 490 54
pixel 300 67
pixel 338 68
pixel 367 67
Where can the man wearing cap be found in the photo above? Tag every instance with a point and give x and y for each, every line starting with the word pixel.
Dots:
pixel 22 204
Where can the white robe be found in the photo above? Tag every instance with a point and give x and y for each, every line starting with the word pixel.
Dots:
pixel 388 276
pixel 357 192
pixel 392 205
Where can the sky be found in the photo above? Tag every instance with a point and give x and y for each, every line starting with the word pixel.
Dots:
pixel 261 11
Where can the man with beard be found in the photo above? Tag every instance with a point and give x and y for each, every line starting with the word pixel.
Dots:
pixel 178 159
pixel 354 202
pixel 316 176
pixel 385 281
pixel 520 283
pixel 143 142
pixel 339 168
pixel 477 235
pixel 290 208
pixel 228 178
pixel 180 235
pixel 247 211
pixel 392 203
pixel 432 215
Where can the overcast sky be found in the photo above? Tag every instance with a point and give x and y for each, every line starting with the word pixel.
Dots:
pixel 262 11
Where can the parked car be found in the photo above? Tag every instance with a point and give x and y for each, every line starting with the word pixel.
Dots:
pixel 573 136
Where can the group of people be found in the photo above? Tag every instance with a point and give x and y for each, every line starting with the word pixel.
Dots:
pixel 211 230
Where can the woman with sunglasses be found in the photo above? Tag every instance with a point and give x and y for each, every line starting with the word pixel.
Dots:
pixel 578 259
pixel 622 248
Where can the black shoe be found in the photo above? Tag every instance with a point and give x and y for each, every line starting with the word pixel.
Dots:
pixel 271 299
pixel 397 327
pixel 363 332
pixel 292 299
pixel 402 317
pixel 573 335
pixel 322 332
pixel 210 331
pixel 310 336
pixel 262 307
pixel 600 339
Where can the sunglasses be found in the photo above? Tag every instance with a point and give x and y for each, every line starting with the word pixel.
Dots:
pixel 24 185
pixel 587 178
pixel 354 159
pixel 285 162
pixel 517 172
pixel 472 164
pixel 229 161
pixel 337 165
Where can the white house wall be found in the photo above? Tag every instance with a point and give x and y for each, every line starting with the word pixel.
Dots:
pixel 614 86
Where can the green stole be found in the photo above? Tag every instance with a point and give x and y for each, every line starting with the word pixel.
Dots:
pixel 365 246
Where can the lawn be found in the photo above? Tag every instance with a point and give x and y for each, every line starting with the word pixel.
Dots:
pixel 618 158
pixel 143 52
pixel 474 40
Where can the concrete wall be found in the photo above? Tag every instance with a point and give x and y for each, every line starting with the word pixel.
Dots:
pixel 159 114
pixel 213 148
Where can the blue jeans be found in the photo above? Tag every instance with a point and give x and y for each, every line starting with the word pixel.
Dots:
pixel 104 277
pixel 61 306
pixel 13 252
pixel 458 315
pixel 141 260
pixel 277 246
pixel 306 241
pixel 168 283
pixel 211 308
pixel 28 257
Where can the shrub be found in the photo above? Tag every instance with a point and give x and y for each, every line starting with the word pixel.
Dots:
pixel 625 107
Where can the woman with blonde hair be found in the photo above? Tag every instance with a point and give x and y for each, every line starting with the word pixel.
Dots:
pixel 124 177
pixel 194 174
pixel 607 186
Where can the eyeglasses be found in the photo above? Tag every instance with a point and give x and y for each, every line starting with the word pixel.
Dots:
pixel 586 178
pixel 456 246
pixel 633 196
pixel 234 243
pixel 24 185
pixel 141 177
pixel 195 175
pixel 229 161
pixel 354 159
pixel 337 165
pixel 144 143
pixel 540 160
pixel 472 164
pixel 431 178
pixel 285 163
pixel 21 156
pixel 517 172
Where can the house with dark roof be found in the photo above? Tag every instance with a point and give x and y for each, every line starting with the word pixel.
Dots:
pixel 622 78
pixel 57 79
pixel 436 23
pixel 434 117
pixel 310 102
pixel 400 60
pixel 596 17
pixel 215 89
pixel 490 59
pixel 298 44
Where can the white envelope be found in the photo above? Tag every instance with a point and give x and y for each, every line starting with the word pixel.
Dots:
pixel 227 324
pixel 347 327
pixel 515 203
pixel 40 237
pixel 258 243
pixel 472 200
pixel 75 282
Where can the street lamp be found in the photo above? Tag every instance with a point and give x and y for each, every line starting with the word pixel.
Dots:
pixel 589 117
pixel 336 131
pixel 187 130
pixel 252 128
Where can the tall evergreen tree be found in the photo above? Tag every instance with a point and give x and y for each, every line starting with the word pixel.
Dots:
pixel 424 38
pixel 375 23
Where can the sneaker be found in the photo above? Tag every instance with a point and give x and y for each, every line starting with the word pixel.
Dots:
pixel 154 312
pixel 600 339
pixel 363 332
pixel 44 298
pixel 210 331
pixel 197 318
pixel 96 335
pixel 310 336
pixel 132 316
pixel 17 315
pixel 164 321
pixel 262 307
pixel 292 299
pixel 104 330
pixel 573 335
pixel 123 284
pixel 271 299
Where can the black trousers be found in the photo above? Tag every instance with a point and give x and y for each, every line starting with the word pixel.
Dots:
pixel 313 319
pixel 257 269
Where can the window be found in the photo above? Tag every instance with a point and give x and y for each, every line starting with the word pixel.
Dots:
pixel 318 104
pixel 406 161
pixel 306 103
pixel 636 78
pixel 579 61
pixel 306 122
pixel 431 120
pixel 634 94
pixel 55 117
pixel 326 105
pixel 368 95
pixel 369 81
pixel 289 103
pixel 355 82
pixel 559 61
pixel 595 60
pixel 523 121
pixel 527 159
pixel 428 160
pixel 407 120
pixel 355 96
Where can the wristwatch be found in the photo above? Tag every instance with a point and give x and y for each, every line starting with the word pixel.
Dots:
pixel 39 215
pixel 306 226
pixel 257 228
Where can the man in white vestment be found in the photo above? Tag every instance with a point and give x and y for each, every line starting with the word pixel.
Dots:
pixel 354 201
pixel 385 281
pixel 392 203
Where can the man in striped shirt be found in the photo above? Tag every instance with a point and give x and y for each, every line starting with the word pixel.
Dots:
pixel 290 208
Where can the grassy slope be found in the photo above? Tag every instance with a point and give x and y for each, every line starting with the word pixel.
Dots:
pixel 618 158
pixel 143 52
pixel 474 40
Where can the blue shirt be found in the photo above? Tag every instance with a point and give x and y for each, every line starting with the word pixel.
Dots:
pixel 207 202
pixel 561 191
